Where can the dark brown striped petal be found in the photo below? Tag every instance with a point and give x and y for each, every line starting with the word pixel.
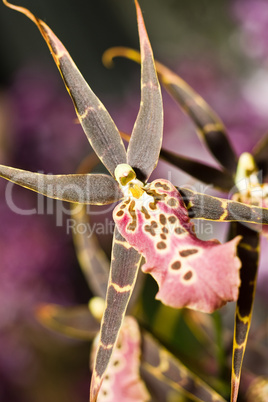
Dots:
pixel 123 273
pixel 146 138
pixel 94 118
pixel 207 174
pixel 209 126
pixel 160 368
pixel 202 206
pixel 76 322
pixel 248 252
pixel 95 189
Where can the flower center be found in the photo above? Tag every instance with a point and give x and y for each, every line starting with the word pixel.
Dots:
pixel 130 185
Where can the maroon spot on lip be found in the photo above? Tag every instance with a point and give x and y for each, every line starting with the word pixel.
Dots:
pixel 172 202
pixel 186 253
pixel 188 275
pixel 176 265
pixel 162 219
pixel 161 245
pixel 120 213
pixel 172 219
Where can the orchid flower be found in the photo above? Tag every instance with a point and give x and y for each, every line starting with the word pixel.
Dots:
pixel 241 176
pixel 140 369
pixel 152 220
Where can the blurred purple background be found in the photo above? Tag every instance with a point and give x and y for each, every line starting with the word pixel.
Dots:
pixel 219 48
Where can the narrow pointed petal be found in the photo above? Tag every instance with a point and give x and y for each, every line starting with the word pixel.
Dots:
pixel 222 180
pixel 75 322
pixel 91 257
pixel 159 365
pixel 146 138
pixel 122 380
pixel 200 171
pixel 248 252
pixel 94 118
pixel 123 273
pixel 209 126
pixel 95 189
pixel 203 206
pixel 202 275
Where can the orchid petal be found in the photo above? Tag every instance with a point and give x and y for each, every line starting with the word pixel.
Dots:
pixel 209 126
pixel 203 206
pixel 95 189
pixel 94 118
pixel 75 322
pixel 146 138
pixel 160 366
pixel 248 252
pixel 201 275
pixel 207 174
pixel 91 257
pixel 123 273
pixel 200 171
pixel 122 380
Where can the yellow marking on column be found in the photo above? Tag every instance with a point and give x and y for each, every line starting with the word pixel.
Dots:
pixel 225 213
pixel 249 247
pixel 59 55
pixel 245 319
pixel 164 363
pixel 88 109
pixel 123 243
pixel 101 107
pixel 106 347
pixel 121 289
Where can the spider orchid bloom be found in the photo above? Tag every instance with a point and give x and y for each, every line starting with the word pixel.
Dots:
pixel 138 359
pixel 152 219
pixel 246 174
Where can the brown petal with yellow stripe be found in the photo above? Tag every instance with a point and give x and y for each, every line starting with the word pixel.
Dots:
pixel 160 367
pixel 207 174
pixel 248 252
pixel 209 126
pixel 95 189
pixel 220 179
pixel 94 118
pixel 207 207
pixel 146 138
pixel 123 273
